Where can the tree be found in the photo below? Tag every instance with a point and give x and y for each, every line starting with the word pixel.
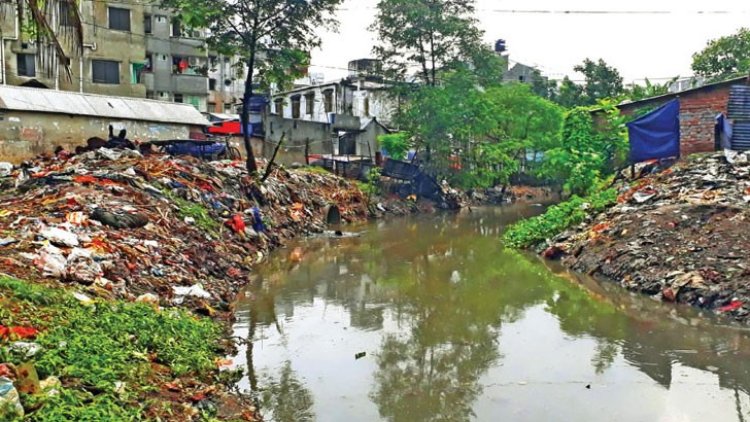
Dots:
pixel 433 35
pixel 273 37
pixel 478 137
pixel 602 80
pixel 638 92
pixel 56 43
pixel 570 94
pixel 724 57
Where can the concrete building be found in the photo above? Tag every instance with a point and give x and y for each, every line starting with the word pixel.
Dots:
pixel 131 48
pixel 38 120
pixel 522 73
pixel 113 53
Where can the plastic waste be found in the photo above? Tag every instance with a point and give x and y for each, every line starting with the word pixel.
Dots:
pixel 59 236
pixel 50 386
pixel 51 262
pixel 196 290
pixel 149 298
pixel 27 349
pixel 81 267
pixel 5 169
pixel 10 402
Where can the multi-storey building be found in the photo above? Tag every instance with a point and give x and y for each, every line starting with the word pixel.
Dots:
pixel 131 48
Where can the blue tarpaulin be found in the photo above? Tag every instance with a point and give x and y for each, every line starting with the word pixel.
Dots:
pixel 657 134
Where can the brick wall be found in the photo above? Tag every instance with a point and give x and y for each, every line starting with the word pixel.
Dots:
pixel 698 112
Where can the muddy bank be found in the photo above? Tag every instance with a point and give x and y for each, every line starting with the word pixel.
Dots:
pixel 114 227
pixel 678 234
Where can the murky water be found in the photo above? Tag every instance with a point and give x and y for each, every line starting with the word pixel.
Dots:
pixel 454 328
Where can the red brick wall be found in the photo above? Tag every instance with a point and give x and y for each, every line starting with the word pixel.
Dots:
pixel 698 112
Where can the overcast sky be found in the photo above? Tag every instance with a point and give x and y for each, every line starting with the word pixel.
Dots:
pixel 639 45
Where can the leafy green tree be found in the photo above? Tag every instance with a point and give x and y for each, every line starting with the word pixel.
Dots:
pixel 433 35
pixel 588 152
pixel 602 80
pixel 395 144
pixel 724 57
pixel 479 137
pixel 570 94
pixel 273 38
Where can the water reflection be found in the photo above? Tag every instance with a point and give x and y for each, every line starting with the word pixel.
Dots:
pixel 456 328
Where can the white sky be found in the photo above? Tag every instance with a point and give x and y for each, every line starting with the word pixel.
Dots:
pixel 638 45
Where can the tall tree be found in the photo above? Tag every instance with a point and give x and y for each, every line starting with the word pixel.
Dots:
pixel 431 35
pixel 602 80
pixel 570 94
pixel 273 37
pixel 724 57
pixel 41 21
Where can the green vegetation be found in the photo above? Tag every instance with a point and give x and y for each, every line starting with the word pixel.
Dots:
pixel 395 144
pixel 557 218
pixel 105 353
pixel 724 57
pixel 197 212
pixel 588 152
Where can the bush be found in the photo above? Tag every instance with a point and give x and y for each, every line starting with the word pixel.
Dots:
pixel 535 230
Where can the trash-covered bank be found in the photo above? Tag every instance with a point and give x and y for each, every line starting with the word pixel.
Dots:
pixel 678 234
pixel 131 238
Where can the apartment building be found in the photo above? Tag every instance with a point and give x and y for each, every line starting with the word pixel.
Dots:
pixel 131 48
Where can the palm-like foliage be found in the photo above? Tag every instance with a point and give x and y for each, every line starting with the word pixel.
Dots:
pixel 58 37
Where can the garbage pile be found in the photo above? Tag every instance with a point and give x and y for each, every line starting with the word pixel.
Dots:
pixel 679 235
pixel 156 228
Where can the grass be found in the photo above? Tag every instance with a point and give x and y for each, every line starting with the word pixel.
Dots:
pixel 316 170
pixel 197 212
pixel 94 348
pixel 535 230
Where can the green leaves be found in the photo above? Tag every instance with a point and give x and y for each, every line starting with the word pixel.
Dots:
pixel 724 57
pixel 432 35
pixel 586 153
pixel 478 137
pixel 535 230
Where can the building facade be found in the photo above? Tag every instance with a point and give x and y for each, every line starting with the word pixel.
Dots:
pixel 131 48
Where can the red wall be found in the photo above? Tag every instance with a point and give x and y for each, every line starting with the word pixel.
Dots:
pixel 698 112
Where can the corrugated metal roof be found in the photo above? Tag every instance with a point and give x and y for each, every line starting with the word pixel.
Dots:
pixel 739 103
pixel 66 102
pixel 741 136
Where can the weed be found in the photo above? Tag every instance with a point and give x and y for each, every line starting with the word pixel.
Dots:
pixel 557 218
pixel 92 348
pixel 197 212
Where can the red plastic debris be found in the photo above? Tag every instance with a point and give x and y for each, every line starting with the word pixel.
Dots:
pixel 236 223
pixel 733 306
pixel 24 332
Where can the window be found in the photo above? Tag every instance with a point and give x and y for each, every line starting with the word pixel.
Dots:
pixel 66 17
pixel 295 106
pixel 119 19
pixel 105 72
pixel 521 78
pixel 279 105
pixel 367 107
pixel 178 98
pixel 26 64
pixel 176 28
pixel 328 100
pixel 212 84
pixel 147 24
pixel 309 103
pixel 136 72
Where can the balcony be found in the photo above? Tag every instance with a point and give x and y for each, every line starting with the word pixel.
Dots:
pixel 190 84
pixel 344 122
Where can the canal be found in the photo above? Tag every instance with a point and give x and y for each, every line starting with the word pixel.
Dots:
pixel 429 318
